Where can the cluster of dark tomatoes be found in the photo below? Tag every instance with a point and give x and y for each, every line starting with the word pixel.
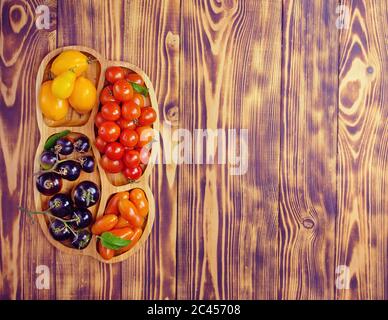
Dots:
pixel 64 158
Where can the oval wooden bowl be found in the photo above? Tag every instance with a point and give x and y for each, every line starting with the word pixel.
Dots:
pixel 84 124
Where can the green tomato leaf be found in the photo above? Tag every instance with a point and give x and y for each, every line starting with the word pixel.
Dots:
pixel 110 241
pixel 53 139
pixel 140 89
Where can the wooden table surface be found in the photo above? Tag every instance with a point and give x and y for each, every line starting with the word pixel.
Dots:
pixel 314 99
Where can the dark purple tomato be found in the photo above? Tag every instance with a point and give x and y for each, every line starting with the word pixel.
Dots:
pixel 86 194
pixel 61 205
pixel 49 183
pixel 84 218
pixel 82 144
pixel 87 163
pixel 59 231
pixel 69 170
pixel 63 146
pixel 47 160
pixel 81 239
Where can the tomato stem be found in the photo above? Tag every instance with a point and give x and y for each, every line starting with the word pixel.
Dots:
pixel 55 166
pixel 46 212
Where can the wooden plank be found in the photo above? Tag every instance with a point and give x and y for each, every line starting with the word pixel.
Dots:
pixel 151 41
pixel 362 223
pixel 139 32
pixel 230 79
pixel 22 244
pixel 308 150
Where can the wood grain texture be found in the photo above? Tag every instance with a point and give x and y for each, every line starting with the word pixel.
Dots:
pixel 308 150
pixel 314 100
pixel 22 47
pixel 230 75
pixel 362 224
pixel 139 277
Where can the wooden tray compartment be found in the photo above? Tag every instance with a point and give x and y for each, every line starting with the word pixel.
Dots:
pixel 93 73
pixel 67 186
pixel 84 124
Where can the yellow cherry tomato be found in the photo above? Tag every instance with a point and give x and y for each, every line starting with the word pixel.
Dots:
pixel 52 107
pixel 63 85
pixel 84 95
pixel 70 59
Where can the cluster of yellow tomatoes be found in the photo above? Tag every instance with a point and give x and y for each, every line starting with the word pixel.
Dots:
pixel 69 88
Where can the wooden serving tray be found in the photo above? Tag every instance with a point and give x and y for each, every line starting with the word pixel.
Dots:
pixel 84 124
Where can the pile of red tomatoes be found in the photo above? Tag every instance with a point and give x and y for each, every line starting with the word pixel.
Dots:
pixel 124 123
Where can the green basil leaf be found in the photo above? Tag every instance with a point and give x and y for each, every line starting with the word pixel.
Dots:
pixel 139 89
pixel 109 245
pixel 53 139
pixel 113 242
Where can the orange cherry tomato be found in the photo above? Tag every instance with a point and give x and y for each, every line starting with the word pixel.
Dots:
pixel 123 233
pixel 106 253
pixel 122 223
pixel 105 223
pixel 136 194
pixel 139 199
pixel 142 207
pixel 134 239
pixel 129 212
pixel 112 206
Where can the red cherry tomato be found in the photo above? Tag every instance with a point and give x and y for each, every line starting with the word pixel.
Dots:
pixel 111 111
pixel 131 158
pixel 134 77
pixel 147 101
pixel 146 135
pixel 113 74
pixel 111 166
pixel 106 95
pixel 130 110
pixel 139 99
pixel 99 120
pixel 145 154
pixel 133 173
pixel 114 151
pixel 100 144
pixel 109 131
pixel 147 117
pixel 129 138
pixel 122 90
pixel 126 124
